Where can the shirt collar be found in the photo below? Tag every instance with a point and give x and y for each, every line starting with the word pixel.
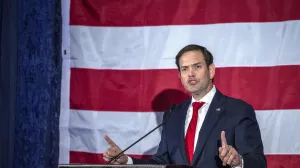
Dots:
pixel 208 97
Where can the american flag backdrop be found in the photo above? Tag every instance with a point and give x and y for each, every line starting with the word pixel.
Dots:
pixel 119 71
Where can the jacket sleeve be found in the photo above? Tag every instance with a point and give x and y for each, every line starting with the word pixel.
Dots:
pixel 248 140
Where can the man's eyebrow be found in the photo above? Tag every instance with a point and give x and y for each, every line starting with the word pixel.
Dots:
pixel 184 66
pixel 197 63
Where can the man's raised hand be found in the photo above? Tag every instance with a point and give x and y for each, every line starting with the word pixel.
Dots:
pixel 228 154
pixel 113 151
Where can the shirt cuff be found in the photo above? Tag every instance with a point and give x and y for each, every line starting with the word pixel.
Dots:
pixel 130 161
pixel 239 166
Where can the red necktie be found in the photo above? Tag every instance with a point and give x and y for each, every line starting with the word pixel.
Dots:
pixel 190 134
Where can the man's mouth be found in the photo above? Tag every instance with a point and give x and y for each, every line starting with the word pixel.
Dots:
pixel 192 82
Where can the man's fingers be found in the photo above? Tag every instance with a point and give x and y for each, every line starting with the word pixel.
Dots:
pixel 105 154
pixel 122 159
pixel 115 162
pixel 109 141
pixel 223 139
pixel 224 152
pixel 225 160
pixel 110 153
pixel 227 155
pixel 106 157
pixel 220 150
pixel 113 151
pixel 231 156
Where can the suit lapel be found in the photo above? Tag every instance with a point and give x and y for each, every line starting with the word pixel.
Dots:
pixel 181 121
pixel 213 114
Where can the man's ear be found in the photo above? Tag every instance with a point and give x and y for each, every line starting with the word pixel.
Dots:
pixel 179 74
pixel 212 70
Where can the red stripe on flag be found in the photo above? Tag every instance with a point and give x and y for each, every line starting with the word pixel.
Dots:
pixel 179 12
pixel 283 161
pixel 94 158
pixel 274 161
pixel 266 88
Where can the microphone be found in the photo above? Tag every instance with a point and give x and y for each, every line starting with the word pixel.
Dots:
pixel 165 116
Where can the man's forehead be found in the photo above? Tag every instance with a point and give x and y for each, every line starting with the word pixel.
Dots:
pixel 191 63
pixel 191 57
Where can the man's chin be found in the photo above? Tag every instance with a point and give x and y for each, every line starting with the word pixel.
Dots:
pixel 193 90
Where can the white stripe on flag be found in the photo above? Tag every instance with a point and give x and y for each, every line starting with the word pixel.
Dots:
pixel 87 129
pixel 234 44
pixel 64 137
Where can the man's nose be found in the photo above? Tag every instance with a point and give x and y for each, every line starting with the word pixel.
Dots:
pixel 191 72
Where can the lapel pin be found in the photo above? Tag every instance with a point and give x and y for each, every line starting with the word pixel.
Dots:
pixel 218 109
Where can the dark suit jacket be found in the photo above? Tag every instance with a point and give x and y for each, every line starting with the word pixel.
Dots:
pixel 234 116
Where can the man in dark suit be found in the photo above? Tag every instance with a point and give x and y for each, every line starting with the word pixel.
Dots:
pixel 208 130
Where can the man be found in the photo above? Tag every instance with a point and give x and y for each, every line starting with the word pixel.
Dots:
pixel 208 130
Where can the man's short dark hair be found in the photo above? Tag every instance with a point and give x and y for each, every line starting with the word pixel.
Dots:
pixel 208 57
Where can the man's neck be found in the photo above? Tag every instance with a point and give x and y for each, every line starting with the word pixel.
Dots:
pixel 198 96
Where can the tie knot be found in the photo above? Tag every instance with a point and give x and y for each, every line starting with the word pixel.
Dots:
pixel 197 105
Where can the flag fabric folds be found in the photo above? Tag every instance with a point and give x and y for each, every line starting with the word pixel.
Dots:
pixel 119 72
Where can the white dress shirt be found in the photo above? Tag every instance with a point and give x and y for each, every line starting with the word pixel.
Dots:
pixel 201 113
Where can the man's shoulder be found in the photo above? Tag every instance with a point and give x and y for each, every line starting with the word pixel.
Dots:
pixel 237 104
